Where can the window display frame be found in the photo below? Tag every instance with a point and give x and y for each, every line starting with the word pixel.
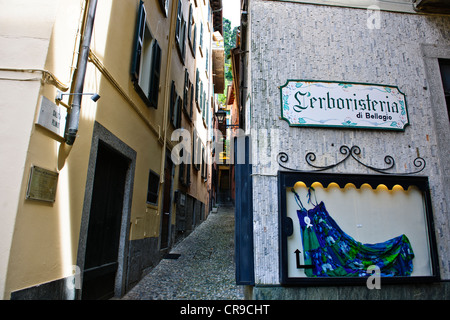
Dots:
pixel 287 179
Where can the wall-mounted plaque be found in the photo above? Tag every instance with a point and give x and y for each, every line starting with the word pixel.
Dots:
pixel 52 117
pixel 42 184
pixel 306 103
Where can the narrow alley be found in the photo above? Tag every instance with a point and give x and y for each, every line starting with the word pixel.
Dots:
pixel 201 267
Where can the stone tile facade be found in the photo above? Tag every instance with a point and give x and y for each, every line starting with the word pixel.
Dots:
pixel 300 41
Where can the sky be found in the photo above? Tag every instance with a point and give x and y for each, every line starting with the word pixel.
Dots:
pixel 231 11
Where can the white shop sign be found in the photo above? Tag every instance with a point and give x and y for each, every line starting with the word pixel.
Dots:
pixel 345 105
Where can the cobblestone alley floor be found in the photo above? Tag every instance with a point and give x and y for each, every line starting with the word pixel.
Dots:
pixel 204 271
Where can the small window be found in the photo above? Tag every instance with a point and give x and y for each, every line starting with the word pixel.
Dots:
pixel 146 64
pixel 153 188
pixel 180 31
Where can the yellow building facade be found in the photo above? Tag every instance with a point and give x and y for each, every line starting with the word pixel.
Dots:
pixel 90 199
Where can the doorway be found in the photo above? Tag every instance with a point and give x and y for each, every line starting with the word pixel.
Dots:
pixel 167 202
pixel 102 245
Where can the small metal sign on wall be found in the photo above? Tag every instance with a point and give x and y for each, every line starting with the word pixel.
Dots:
pixel 307 103
pixel 42 184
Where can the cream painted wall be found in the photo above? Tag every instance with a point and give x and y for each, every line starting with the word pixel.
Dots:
pixel 39 241
pixel 25 33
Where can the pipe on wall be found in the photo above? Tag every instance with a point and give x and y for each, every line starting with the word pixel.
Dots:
pixel 73 118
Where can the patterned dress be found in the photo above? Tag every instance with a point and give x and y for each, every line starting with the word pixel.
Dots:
pixel 333 253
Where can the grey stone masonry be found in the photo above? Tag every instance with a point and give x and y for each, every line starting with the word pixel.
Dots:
pixel 302 41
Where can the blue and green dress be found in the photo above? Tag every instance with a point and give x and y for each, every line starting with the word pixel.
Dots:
pixel 333 253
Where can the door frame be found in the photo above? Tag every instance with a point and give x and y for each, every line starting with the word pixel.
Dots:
pixel 169 229
pixel 100 133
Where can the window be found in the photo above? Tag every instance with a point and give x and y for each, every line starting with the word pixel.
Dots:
pixel 153 188
pixel 180 31
pixel 444 65
pixel 393 212
pixel 179 17
pixel 146 64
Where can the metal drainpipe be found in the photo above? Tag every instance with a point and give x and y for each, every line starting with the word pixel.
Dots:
pixel 173 21
pixel 73 118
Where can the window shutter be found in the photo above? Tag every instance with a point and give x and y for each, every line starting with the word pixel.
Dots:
pixel 196 86
pixel 183 40
pixel 201 35
pixel 172 102
pixel 188 174
pixel 155 75
pixel 178 27
pixel 194 149
pixel 191 102
pixel 179 106
pixel 195 39
pixel 186 89
pixel 140 30
pixel 190 23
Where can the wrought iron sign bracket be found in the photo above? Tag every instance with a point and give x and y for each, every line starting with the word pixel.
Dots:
pixel 353 152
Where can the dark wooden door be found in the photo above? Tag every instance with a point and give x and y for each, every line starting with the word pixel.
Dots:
pixel 167 200
pixel 102 246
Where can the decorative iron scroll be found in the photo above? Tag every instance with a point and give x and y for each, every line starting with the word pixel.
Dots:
pixel 352 152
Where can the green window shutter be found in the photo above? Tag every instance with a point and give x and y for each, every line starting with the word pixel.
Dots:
pixel 140 30
pixel 155 75
pixel 178 26
pixel 197 78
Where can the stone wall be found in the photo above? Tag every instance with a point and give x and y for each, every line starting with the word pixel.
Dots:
pixel 300 41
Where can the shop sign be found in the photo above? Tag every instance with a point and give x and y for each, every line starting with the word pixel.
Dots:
pixel 306 103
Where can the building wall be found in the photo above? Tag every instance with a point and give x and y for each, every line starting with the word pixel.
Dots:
pixel 42 242
pixel 289 40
